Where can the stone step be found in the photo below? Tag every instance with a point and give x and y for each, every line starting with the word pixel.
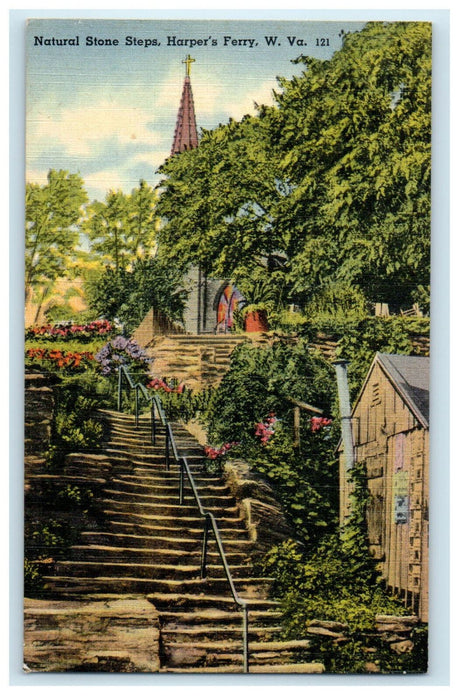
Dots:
pixel 164 511
pixel 154 464
pixel 151 456
pixel 193 607
pixel 156 507
pixel 144 570
pixel 138 447
pixel 208 656
pixel 177 557
pixel 228 632
pixel 200 475
pixel 259 613
pixel 223 646
pixel 137 484
pixel 186 544
pixel 173 530
pixel 304 668
pixel 152 496
pixel 171 523
pixel 70 585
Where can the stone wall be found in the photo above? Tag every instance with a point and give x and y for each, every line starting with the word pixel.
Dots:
pixel 117 634
pixel 258 505
pixel 38 416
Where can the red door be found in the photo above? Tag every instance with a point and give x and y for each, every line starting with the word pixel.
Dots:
pixel 228 302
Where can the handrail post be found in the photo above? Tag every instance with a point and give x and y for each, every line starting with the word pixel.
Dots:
pixel 120 382
pixel 182 475
pixel 245 637
pixel 168 458
pixel 136 406
pixel 153 424
pixel 204 548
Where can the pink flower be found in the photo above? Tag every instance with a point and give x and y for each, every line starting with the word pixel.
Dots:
pixel 318 423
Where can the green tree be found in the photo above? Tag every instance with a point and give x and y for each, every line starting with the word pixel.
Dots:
pixel 331 186
pixel 122 228
pixel 129 294
pixel 353 138
pixel 53 216
pixel 216 201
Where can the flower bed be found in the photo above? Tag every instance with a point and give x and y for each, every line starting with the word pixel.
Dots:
pixel 59 359
pixel 70 331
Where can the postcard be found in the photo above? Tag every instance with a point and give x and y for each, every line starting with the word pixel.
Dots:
pixel 227 341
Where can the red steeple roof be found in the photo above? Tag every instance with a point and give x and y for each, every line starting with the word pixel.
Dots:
pixel 186 133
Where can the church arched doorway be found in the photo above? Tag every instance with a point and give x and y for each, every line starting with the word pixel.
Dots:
pixel 228 300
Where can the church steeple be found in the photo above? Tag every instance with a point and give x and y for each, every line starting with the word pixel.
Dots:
pixel 186 133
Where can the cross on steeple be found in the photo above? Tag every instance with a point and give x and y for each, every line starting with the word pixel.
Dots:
pixel 186 133
pixel 188 60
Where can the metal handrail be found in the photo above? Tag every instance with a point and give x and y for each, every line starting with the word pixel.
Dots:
pixel 210 521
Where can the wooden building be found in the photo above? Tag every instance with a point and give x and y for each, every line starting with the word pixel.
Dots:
pixel 390 427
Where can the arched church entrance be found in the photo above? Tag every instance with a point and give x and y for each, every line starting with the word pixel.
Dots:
pixel 228 300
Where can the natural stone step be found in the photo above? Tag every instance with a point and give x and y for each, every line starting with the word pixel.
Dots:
pixel 119 524
pixel 146 505
pixel 145 495
pixel 185 544
pixel 170 521
pixel 158 556
pixel 167 487
pixel 182 656
pixel 142 569
pixel 260 612
pixel 222 646
pixel 200 476
pixel 70 585
pixel 304 668
pixel 228 632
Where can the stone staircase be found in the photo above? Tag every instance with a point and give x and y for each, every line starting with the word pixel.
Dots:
pixel 149 546
pixel 197 360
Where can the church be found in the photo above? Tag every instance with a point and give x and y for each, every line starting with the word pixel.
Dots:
pixel 211 302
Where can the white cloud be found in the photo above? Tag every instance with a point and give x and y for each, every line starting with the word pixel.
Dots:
pixel 80 130
pixel 245 105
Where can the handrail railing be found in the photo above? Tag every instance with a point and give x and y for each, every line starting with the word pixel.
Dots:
pixel 210 522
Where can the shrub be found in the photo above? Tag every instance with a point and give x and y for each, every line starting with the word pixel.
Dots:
pixel 122 352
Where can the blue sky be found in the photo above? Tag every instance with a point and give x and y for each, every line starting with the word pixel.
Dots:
pixel 109 112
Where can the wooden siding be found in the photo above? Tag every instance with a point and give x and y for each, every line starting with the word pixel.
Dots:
pixel 394 447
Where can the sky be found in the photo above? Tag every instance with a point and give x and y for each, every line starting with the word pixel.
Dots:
pixel 108 111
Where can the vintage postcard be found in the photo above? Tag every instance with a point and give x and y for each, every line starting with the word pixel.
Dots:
pixel 227 340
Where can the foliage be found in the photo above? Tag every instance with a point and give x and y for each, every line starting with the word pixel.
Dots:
pixel 358 161
pixel 256 391
pixel 33 584
pixel 338 301
pixel 337 580
pixel 305 482
pixel 361 341
pixel 76 434
pixel 330 188
pixel 53 212
pixel 262 380
pixel 129 294
pixel 185 405
pixel 215 201
pixel 75 426
pixel 122 228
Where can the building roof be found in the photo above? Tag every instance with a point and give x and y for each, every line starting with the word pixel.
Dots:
pixel 186 133
pixel 410 376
